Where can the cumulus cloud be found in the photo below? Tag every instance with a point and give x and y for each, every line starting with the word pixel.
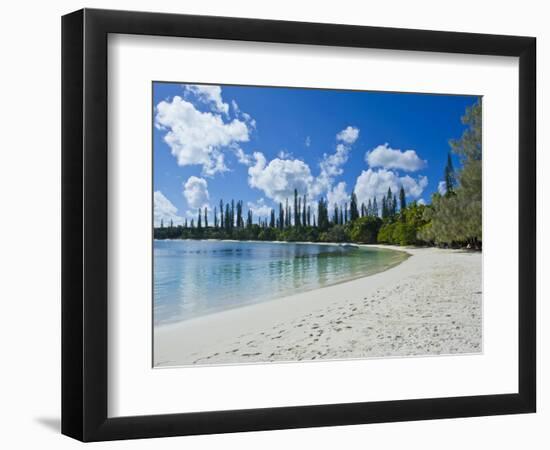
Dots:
pixel 442 187
pixel 196 137
pixel 388 158
pixel 248 119
pixel 331 166
pixel 259 208
pixel 348 135
pixel 284 154
pixel 210 95
pixel 242 157
pixel 280 177
pixel 164 211
pixel 235 106
pixel 421 201
pixel 195 191
pixel 338 195
pixel 375 183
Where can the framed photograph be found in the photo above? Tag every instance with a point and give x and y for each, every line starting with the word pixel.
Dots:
pixel 274 225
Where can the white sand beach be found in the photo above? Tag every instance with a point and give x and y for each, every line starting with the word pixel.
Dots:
pixel 431 304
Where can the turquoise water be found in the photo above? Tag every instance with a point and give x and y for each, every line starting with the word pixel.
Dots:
pixel 194 278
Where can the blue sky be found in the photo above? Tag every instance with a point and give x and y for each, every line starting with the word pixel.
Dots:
pixel 257 144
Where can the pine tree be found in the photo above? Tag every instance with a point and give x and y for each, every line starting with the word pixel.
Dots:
pixel 304 215
pixel 322 215
pixel 240 222
pixel 205 217
pixel 296 215
pixel 232 216
pixel 215 218
pixel 161 223
pixel 171 223
pixel 345 213
pixel 221 214
pixel 449 176
pixel 289 216
pixel 353 210
pixel 272 219
pixel 199 219
pixel 308 215
pixel 336 217
pixel 375 208
pixel 281 221
pixel 402 200
pixel 299 215
pixel 227 220
pixel 389 203
pixel 456 216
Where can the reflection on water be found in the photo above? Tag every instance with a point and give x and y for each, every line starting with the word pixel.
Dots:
pixel 193 278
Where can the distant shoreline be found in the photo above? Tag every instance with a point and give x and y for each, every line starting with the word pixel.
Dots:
pixel 400 248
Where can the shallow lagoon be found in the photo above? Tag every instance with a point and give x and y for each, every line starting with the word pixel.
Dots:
pixel 194 278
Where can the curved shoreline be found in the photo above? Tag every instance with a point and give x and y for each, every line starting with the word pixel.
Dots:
pixel 298 291
pixel 428 304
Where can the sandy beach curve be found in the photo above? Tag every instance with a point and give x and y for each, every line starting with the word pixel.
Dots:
pixel 430 304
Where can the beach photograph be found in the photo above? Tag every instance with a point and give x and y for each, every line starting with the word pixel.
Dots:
pixel 300 224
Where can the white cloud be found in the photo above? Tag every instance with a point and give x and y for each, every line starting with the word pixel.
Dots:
pixel 164 210
pixel 198 138
pixel 242 157
pixel 280 177
pixel 388 158
pixel 284 154
pixel 235 106
pixel 248 119
pixel 421 201
pixel 195 191
pixel 338 195
pixel 375 183
pixel 259 209
pixel 331 167
pixel 210 95
pixel 307 141
pixel 348 135
pixel 442 188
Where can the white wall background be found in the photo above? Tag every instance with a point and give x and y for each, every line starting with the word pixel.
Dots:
pixel 30 199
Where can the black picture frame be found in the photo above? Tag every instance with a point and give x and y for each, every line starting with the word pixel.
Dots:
pixel 84 224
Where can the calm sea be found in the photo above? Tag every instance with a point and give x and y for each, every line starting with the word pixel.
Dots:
pixel 193 278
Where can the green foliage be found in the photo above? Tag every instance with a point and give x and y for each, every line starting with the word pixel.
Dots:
pixel 365 229
pixel 404 231
pixel 337 233
pixel 455 218
pixel 449 175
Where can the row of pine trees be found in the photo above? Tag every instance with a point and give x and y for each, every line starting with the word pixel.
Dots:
pixel 230 215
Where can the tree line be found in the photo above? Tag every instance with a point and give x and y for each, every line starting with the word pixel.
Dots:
pixel 291 221
pixel 453 218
